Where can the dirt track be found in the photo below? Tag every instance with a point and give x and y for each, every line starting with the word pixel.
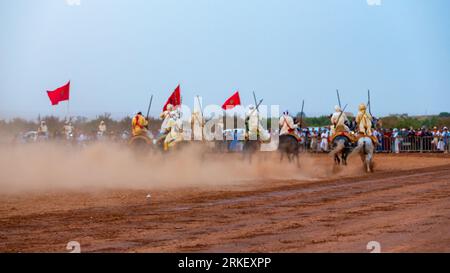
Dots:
pixel 405 206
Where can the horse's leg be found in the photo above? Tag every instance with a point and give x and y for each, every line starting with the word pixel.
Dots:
pixel 368 163
pixel 337 160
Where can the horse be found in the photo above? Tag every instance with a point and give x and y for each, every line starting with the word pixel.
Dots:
pixel 174 135
pixel 289 145
pixel 140 144
pixel 366 149
pixel 342 147
pixel 250 148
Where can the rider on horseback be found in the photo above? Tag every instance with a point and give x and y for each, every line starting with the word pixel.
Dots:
pixel 174 130
pixel 364 121
pixel 101 129
pixel 139 125
pixel 287 125
pixel 165 116
pixel 338 120
pixel 254 128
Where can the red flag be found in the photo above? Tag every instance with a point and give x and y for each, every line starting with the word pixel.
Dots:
pixel 59 94
pixel 174 99
pixel 232 101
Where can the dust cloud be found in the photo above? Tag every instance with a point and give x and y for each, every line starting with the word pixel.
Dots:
pixel 53 166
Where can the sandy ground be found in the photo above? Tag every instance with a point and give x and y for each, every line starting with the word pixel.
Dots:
pixel 404 205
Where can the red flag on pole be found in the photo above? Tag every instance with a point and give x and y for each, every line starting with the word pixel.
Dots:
pixel 231 102
pixel 174 99
pixel 59 94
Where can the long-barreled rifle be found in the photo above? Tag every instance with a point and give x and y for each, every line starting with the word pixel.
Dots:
pixel 149 107
pixel 339 98
pixel 301 114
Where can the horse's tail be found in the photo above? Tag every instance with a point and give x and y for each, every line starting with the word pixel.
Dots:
pixel 358 149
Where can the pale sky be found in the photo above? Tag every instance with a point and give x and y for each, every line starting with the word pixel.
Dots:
pixel 117 52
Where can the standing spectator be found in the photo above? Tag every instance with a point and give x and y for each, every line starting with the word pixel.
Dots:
pixel 387 139
pixel 434 142
pixel 440 143
pixel 324 141
pixel 379 136
pixel 426 138
pixel 397 139
pixel 446 138
pixel 314 136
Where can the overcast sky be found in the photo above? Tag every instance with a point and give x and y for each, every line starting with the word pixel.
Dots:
pixel 117 52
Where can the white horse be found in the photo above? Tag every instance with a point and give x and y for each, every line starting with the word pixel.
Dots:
pixel 366 150
pixel 175 133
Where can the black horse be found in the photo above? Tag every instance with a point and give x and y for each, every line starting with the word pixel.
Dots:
pixel 342 147
pixel 250 148
pixel 289 146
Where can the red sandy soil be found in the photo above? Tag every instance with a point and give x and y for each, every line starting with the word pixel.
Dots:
pixel 404 205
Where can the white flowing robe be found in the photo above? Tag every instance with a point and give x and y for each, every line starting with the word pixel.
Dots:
pixel 174 134
pixel 166 115
pixel 364 121
pixel 324 141
pixel 286 124
pixel 338 120
pixel 254 126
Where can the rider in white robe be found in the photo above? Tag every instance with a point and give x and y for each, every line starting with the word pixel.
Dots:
pixel 165 116
pixel 174 125
pixel 286 123
pixel 254 125
pixel 338 119
pixel 43 131
pixel 68 130
pixel 101 129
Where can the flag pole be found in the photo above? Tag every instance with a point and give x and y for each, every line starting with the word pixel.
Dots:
pixel 68 111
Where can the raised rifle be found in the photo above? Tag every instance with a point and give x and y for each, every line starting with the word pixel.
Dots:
pixel 368 102
pixel 301 114
pixel 339 98
pixel 149 107
pixel 340 115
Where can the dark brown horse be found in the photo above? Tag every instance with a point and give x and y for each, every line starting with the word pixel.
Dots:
pixel 289 146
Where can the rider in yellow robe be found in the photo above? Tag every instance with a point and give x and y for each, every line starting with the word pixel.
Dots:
pixel 139 125
pixel 364 121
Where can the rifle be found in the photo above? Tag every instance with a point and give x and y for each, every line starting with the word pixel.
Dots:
pixel 254 98
pixel 340 115
pixel 256 108
pixel 301 114
pixel 339 98
pixel 256 104
pixel 149 106
pixel 368 102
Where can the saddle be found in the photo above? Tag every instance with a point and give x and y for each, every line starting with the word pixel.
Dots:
pixel 344 133
pixel 373 138
pixel 292 134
